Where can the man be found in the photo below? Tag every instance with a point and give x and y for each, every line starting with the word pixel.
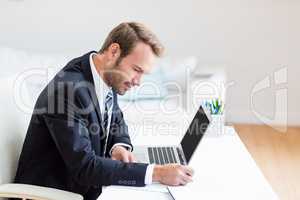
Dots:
pixel 77 139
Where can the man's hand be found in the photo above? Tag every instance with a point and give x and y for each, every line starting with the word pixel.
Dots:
pixel 172 174
pixel 122 154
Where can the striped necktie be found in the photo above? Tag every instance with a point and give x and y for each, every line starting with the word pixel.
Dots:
pixel 107 107
pixel 108 104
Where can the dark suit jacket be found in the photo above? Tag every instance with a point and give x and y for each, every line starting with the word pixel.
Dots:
pixel 63 147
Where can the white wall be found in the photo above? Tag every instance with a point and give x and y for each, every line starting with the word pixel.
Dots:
pixel 253 38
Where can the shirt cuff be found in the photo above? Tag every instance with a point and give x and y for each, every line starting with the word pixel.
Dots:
pixel 149 174
pixel 129 148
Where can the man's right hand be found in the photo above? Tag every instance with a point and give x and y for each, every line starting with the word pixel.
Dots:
pixel 172 174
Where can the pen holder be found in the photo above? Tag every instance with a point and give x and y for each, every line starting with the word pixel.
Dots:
pixel 217 124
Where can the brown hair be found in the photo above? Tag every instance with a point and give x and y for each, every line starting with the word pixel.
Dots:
pixel 128 34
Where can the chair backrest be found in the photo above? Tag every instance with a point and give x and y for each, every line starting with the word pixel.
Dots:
pixel 13 126
pixel 36 69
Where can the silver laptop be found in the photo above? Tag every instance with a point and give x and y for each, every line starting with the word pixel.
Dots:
pixel 181 153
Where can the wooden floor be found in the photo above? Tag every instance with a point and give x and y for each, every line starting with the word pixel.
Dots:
pixel 277 154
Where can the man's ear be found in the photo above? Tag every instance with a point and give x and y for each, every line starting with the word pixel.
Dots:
pixel 114 51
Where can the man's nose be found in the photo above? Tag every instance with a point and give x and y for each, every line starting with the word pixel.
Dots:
pixel 137 80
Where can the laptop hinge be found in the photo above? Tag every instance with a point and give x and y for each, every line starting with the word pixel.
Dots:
pixel 181 156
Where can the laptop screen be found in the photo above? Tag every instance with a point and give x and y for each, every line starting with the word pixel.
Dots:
pixel 194 133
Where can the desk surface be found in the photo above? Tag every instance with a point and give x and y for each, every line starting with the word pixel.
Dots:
pixel 223 168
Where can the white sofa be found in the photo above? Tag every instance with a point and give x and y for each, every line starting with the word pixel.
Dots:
pixel 13 125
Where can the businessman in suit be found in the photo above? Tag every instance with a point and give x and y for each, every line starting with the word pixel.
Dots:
pixel 77 139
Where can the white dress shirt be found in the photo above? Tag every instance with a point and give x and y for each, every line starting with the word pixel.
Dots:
pixel 102 90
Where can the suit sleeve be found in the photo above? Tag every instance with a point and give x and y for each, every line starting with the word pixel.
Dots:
pixel 71 136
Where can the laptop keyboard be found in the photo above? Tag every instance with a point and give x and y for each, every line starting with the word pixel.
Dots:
pixel 161 155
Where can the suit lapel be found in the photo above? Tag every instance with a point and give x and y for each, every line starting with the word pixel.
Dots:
pixel 89 77
pixel 96 139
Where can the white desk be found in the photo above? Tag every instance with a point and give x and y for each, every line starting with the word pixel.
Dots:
pixel 223 169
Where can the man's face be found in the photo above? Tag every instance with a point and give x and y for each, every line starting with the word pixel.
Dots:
pixel 128 71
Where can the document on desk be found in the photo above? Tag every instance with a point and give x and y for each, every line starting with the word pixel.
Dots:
pixel 132 193
pixel 224 169
pixel 154 187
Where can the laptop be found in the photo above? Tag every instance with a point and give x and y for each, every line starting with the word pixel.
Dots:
pixel 181 153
